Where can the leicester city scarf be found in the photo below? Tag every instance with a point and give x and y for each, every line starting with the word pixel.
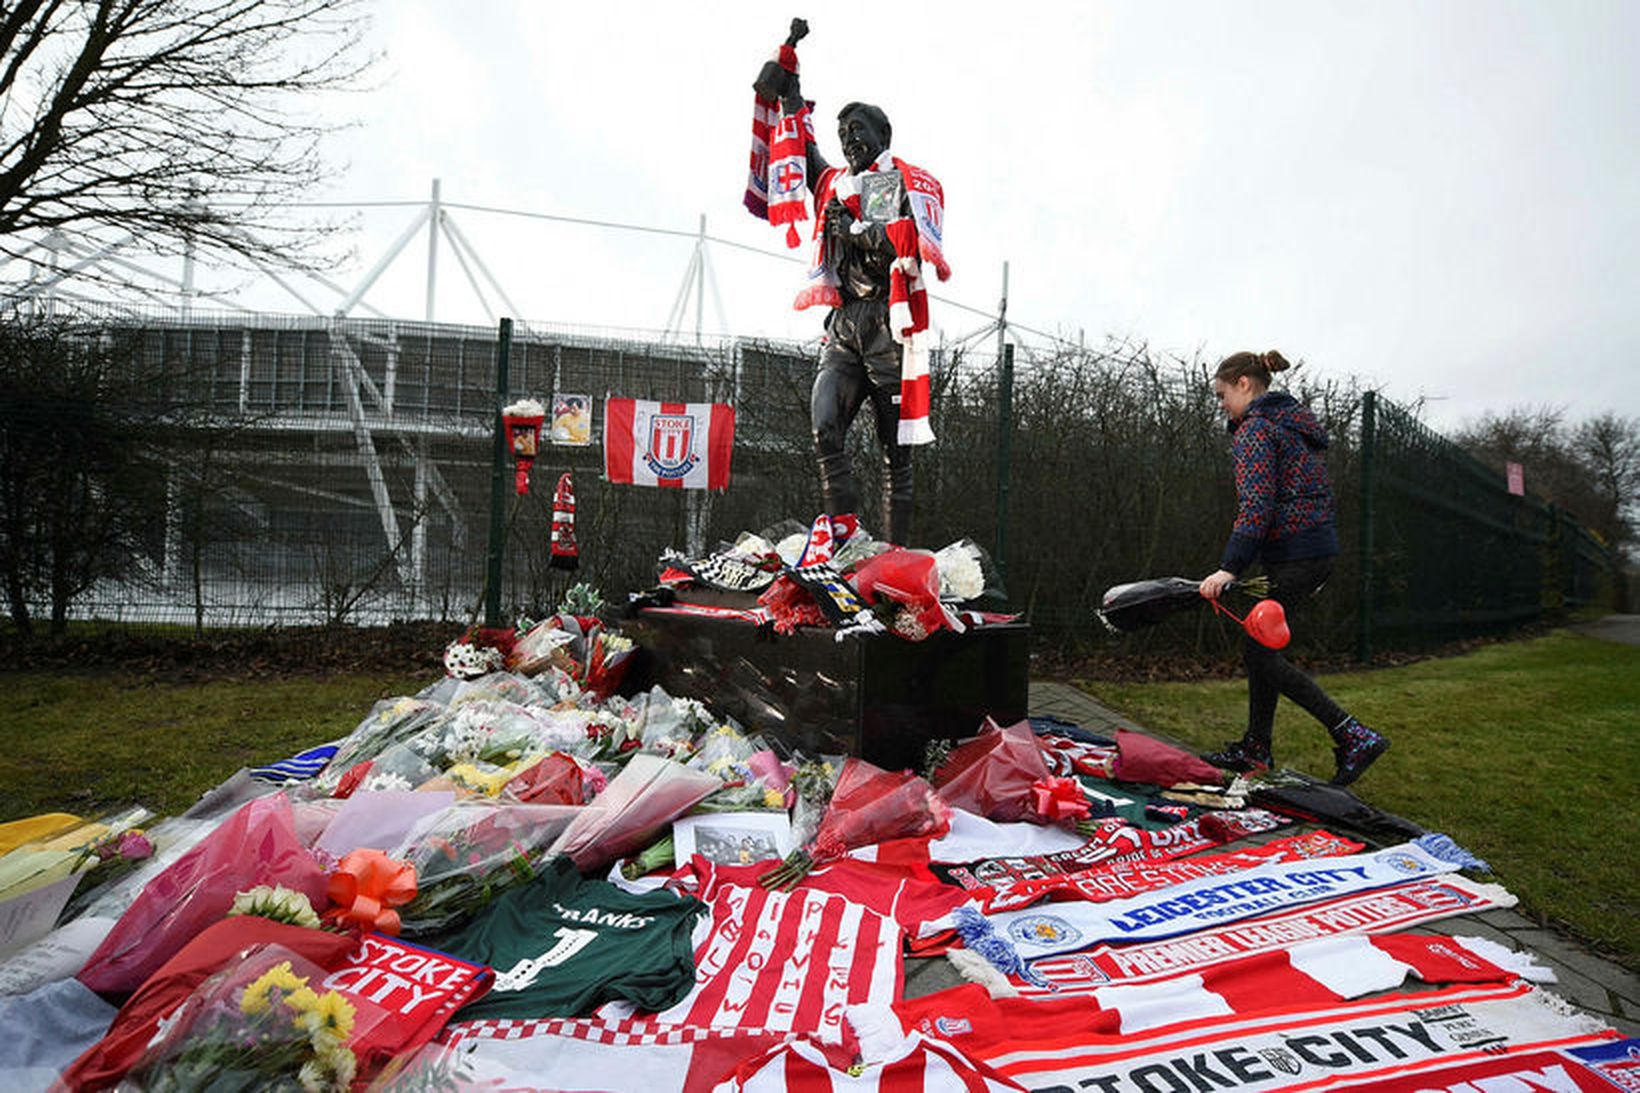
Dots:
pixel 1010 938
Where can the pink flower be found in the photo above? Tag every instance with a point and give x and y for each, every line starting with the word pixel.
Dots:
pixel 134 846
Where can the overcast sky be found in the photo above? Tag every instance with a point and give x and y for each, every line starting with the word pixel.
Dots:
pixel 1442 198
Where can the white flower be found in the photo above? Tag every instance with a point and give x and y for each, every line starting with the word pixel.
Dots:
pixel 280 904
pixel 386 782
pixel 525 407
pixel 960 575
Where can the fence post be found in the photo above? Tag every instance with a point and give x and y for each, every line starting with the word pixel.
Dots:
pixel 1005 445
pixel 498 480
pixel 1369 444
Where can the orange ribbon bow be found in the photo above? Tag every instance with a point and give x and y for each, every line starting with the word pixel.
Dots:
pixel 365 888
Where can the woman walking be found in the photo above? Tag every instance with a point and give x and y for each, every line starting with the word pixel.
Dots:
pixel 1285 521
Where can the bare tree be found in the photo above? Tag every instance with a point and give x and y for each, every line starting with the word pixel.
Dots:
pixel 1608 446
pixel 176 122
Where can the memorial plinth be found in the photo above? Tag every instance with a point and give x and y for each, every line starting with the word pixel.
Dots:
pixel 879 697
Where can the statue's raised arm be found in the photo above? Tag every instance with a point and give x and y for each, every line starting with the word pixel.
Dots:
pixel 778 82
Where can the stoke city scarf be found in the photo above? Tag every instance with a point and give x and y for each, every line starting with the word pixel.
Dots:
pixel 1115 840
pixel 1316 973
pixel 1310 1048
pixel 778 174
pixel 916 239
pixel 1012 937
pixel 1119 881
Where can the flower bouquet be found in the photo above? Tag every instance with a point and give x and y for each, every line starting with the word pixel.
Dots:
pixel 1128 607
pixel 754 779
pixel 466 855
pixel 389 722
pixel 256 1026
pixel 869 805
pixel 647 794
pixel 906 585
pixel 992 774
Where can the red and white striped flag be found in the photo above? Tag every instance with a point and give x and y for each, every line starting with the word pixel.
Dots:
pixel 674 445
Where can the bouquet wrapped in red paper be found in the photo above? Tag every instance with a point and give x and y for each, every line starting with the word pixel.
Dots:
pixel 1001 774
pixel 869 805
pixel 992 774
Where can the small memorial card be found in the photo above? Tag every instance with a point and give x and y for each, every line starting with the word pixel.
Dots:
pixel 571 420
pixel 880 196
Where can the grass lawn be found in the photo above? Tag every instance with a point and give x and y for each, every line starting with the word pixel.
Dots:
pixel 1527 753
pixel 91 742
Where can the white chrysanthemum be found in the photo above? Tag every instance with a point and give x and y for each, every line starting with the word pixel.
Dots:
pixel 960 575
pixel 386 782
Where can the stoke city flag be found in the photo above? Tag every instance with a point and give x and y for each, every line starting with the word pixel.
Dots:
pixel 673 445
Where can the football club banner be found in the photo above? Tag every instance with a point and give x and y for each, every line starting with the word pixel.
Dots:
pixel 673 445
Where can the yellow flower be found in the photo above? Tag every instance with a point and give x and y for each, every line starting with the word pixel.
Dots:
pixel 773 798
pixel 279 977
pixel 335 1013
pixel 302 999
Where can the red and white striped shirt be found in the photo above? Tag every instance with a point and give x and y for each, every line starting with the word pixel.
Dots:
pixel 791 961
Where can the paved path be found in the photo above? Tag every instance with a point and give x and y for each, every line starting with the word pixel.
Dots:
pixel 1603 988
pixel 1619 628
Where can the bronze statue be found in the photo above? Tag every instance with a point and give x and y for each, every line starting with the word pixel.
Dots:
pixel 877 222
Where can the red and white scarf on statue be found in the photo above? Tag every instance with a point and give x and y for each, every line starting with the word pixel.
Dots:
pixel 916 239
pixel 778 180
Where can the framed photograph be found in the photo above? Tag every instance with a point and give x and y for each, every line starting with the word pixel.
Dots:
pixel 733 838
pixel 571 420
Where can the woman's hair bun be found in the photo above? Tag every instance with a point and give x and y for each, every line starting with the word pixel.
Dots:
pixel 1274 361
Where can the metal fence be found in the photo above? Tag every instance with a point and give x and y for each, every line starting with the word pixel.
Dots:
pixel 1448 552
pixel 340 470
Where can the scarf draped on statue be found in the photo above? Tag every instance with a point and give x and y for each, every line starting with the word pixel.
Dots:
pixel 778 177
pixel 774 192
pixel 916 239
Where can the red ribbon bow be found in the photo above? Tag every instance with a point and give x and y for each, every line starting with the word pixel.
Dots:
pixel 365 888
pixel 1059 799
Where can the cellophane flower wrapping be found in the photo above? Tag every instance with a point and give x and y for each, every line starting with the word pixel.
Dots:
pixel 390 721
pixel 753 778
pixel 257 845
pixel 790 606
pixel 1129 607
pixel 908 580
pixel 670 726
pixel 992 774
pixel 871 805
pixel 813 781
pixel 555 779
pixel 468 854
pixel 263 1023
pixel 544 645
pixel 647 795
pixel 503 687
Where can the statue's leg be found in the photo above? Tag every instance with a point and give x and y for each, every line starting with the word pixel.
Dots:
pixel 840 387
pixel 882 355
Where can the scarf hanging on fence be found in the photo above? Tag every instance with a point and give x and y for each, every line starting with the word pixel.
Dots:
pixel 565 553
